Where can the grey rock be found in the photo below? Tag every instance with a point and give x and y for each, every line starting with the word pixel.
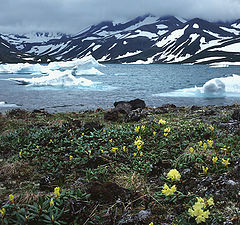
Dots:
pixel 143 215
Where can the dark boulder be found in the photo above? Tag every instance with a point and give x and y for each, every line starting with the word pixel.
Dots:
pixel 135 104
pixel 123 107
pixel 132 109
pixel 172 106
pixel 111 115
pixel 134 115
pixel 236 114
pixel 91 126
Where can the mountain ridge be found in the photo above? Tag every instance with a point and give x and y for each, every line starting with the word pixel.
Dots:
pixel 145 39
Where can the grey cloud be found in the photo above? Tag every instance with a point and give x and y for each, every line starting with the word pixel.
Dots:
pixel 74 15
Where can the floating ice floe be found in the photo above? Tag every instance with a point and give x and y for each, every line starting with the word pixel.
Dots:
pixel 81 66
pixel 20 68
pixel 214 88
pixel 6 105
pixel 219 65
pixel 55 78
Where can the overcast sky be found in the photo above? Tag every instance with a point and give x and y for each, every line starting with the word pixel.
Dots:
pixel 70 16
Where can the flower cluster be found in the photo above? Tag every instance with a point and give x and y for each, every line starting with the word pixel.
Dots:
pixel 174 175
pixel 210 143
pixel 162 122
pixel 214 159
pixel 225 162
pixel 198 209
pixel 168 191
pixel 114 149
pixel 205 169
pixel 139 143
pixel 167 131
pixel 3 212
pixel 56 192
pixel 11 197
pixel 138 128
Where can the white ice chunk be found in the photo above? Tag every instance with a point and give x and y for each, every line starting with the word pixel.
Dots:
pixel 55 78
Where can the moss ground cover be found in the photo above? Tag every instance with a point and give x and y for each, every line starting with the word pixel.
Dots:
pixel 181 167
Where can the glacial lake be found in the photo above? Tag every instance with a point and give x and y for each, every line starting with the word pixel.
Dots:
pixel 101 86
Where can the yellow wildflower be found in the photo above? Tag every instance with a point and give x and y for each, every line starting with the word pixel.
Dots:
pixel 211 128
pixel 137 129
pixel 200 143
pixel 210 202
pixel 210 143
pixel 202 218
pixel 114 149
pixel 111 140
pixel 82 134
pixel 166 131
pixel 141 154
pixel 204 146
pixel 215 159
pixel 134 154
pixel 139 142
pixel 69 130
pixel 3 212
pixel 201 201
pixel 56 192
pixel 124 148
pixel 191 150
pixel 168 191
pixel 198 212
pixel 11 197
pixel 102 151
pixel 20 154
pixel 139 147
pixel 161 122
pixel 205 169
pixel 154 133
pixel 150 223
pixel 51 141
pixel 37 147
pixel 143 127
pixel 70 157
pixel 225 162
pixel 89 152
pixel 174 175
pixel 51 202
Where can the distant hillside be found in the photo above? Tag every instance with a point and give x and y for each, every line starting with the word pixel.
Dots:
pixel 145 39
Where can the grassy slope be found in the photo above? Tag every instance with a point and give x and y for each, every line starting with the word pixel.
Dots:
pixel 104 179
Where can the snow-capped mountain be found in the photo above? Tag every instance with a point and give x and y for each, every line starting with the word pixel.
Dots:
pixel 145 39
pixel 9 54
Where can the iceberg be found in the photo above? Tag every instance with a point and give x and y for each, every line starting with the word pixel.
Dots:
pixel 55 78
pixel 214 88
pixel 86 65
pixel 20 68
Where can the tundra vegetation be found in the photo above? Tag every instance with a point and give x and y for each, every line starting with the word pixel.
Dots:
pixel 177 165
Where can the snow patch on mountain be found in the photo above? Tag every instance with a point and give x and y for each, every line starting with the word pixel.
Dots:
pixel 143 34
pixel 172 37
pixel 128 54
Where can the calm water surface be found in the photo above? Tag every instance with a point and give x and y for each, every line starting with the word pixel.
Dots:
pixel 119 82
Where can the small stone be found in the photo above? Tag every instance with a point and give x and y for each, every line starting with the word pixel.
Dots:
pixel 143 215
